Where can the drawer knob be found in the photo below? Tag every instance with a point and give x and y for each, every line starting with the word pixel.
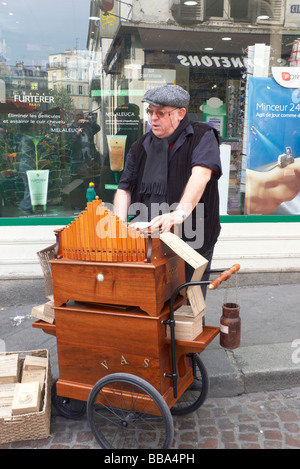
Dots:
pixel 100 277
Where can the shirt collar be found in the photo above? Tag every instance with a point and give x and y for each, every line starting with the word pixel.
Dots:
pixel 187 131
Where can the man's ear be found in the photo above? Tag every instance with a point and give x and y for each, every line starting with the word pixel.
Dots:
pixel 181 113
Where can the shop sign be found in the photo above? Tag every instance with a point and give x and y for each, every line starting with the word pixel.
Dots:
pixel 288 77
pixel 109 21
pixel 211 61
pixel 34 98
pixel 106 5
pixel 292 15
pixel 272 148
pixel 295 8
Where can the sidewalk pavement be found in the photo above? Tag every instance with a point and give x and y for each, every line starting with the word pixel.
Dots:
pixel 268 357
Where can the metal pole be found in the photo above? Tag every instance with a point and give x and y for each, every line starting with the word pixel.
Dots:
pixel 171 323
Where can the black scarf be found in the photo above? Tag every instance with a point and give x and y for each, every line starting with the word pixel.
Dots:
pixel 155 177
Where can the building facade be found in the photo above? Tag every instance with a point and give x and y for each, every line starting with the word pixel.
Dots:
pixel 240 62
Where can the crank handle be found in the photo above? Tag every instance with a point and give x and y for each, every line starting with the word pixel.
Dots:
pixel 224 276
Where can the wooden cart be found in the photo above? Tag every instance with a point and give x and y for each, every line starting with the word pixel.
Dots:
pixel 116 357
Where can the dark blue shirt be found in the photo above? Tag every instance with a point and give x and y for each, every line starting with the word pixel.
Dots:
pixel 206 154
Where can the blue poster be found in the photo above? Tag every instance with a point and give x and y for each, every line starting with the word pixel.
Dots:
pixel 273 147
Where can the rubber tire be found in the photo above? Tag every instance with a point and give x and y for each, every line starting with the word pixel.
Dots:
pixel 200 388
pixel 69 408
pixel 145 387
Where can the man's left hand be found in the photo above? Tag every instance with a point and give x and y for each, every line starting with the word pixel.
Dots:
pixel 165 222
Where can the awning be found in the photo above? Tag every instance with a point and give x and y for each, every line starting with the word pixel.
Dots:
pixel 196 41
pixel 16 107
pixel 187 41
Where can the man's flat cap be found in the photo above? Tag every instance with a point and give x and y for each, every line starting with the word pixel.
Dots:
pixel 167 95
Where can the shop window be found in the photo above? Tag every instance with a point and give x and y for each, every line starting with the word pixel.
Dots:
pixel 214 8
pixel 107 82
pixel 239 9
pixel 184 12
pixel 254 11
pixel 270 11
pixel 227 9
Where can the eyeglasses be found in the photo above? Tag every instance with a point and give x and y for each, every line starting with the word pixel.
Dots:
pixel 160 114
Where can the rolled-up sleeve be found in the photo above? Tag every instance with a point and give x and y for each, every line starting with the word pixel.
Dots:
pixel 128 171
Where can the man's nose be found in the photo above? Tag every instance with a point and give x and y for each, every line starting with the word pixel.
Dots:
pixel 154 116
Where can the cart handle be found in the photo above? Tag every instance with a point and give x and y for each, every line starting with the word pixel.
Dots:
pixel 171 321
pixel 224 276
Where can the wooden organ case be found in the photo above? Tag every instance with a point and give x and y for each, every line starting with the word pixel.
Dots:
pixel 101 259
pixel 111 286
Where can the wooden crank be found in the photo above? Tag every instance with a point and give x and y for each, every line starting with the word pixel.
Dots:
pixel 224 276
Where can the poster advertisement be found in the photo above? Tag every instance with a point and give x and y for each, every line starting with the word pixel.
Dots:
pixel 122 127
pixel 273 145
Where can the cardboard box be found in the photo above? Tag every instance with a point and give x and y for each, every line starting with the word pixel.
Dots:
pixel 9 368
pixel 187 326
pixel 44 312
pixel 5 407
pixel 32 363
pixel 38 374
pixel 6 399
pixel 7 390
pixel 5 411
pixel 27 398
pixel 186 310
pixel 195 260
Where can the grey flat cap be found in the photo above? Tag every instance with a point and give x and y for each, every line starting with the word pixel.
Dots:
pixel 167 95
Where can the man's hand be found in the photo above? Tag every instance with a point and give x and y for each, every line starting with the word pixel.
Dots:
pixel 165 222
pixel 266 190
pixel 192 194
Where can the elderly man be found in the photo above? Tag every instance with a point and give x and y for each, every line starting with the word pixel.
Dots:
pixel 176 163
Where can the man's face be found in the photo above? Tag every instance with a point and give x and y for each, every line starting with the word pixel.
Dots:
pixel 79 115
pixel 164 120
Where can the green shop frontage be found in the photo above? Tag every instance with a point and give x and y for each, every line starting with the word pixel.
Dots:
pixel 70 109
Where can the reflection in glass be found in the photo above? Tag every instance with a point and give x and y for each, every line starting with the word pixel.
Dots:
pixel 116 145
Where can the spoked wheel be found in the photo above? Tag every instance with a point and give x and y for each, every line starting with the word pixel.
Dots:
pixel 69 408
pixel 126 412
pixel 196 394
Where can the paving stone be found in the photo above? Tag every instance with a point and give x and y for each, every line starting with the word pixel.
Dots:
pixel 261 420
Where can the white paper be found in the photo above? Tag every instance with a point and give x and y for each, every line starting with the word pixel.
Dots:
pixel 194 259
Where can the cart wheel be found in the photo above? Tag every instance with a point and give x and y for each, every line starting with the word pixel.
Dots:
pixel 69 408
pixel 196 394
pixel 126 412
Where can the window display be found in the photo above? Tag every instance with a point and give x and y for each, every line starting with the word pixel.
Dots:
pixel 72 79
